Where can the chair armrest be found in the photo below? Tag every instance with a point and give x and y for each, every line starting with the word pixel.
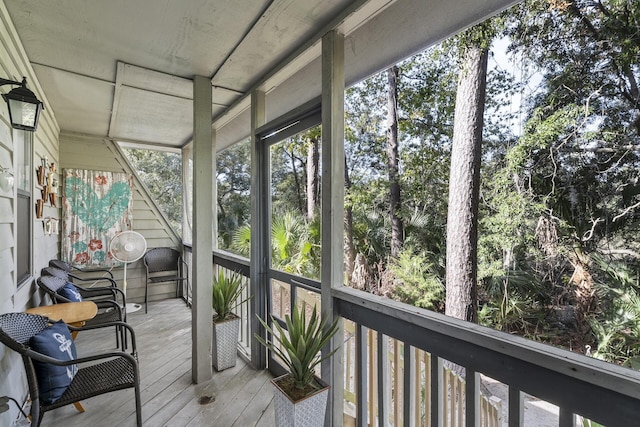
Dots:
pixel 185 268
pixel 108 304
pixel 107 325
pixel 103 290
pixel 94 270
pixel 58 298
pixel 94 279
pixel 47 359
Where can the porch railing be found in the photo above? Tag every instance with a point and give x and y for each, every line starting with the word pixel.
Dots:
pixel 383 338
pixel 577 384
pixel 386 359
pixel 231 263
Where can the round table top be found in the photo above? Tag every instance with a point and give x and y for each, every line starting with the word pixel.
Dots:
pixel 69 312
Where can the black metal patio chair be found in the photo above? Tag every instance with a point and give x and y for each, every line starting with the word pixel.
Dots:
pixel 109 311
pixel 110 292
pixel 63 265
pixel 164 265
pixel 101 373
pixel 87 281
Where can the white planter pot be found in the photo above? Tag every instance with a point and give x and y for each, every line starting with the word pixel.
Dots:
pixel 307 412
pixel 225 343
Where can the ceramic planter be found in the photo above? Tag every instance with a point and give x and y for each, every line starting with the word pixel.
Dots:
pixel 307 412
pixel 225 343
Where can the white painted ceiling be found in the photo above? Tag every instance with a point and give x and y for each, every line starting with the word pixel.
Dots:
pixel 123 68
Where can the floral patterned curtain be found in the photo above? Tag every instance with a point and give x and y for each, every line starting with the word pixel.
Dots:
pixel 96 206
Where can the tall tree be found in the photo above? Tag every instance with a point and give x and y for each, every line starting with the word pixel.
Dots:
pixel 349 246
pixel 313 160
pixel 464 177
pixel 393 162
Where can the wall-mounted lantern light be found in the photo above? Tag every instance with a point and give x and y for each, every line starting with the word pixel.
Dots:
pixel 24 107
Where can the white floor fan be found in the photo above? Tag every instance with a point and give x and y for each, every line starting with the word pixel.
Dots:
pixel 128 247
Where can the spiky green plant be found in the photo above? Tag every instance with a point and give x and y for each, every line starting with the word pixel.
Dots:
pixel 300 351
pixel 227 291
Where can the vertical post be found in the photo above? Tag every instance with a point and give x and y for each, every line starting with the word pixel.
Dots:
pixel 383 380
pixel 566 418
pixel 361 376
pixel 259 231
pixel 409 365
pixel 203 228
pixel 332 269
pixel 472 405
pixel 516 407
pixel 438 394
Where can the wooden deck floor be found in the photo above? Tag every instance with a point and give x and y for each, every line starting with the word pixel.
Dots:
pixel 240 396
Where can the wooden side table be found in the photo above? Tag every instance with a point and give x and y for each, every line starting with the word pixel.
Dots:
pixel 72 313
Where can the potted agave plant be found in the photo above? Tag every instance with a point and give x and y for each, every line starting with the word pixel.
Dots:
pixel 300 397
pixel 227 292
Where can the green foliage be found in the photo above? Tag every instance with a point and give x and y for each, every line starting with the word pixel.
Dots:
pixel 227 290
pixel 418 279
pixel 616 327
pixel 515 302
pixel 295 244
pixel 233 180
pixel 300 344
pixel 572 164
pixel 241 241
pixel 161 173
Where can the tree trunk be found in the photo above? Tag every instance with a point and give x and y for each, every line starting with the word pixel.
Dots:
pixel 464 185
pixel 313 158
pixel 296 178
pixel 392 162
pixel 349 247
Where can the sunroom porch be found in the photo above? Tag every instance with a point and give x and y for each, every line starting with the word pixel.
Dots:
pixel 381 374
pixel 393 352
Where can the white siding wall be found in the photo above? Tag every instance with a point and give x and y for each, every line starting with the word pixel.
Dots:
pixel 81 152
pixel 14 65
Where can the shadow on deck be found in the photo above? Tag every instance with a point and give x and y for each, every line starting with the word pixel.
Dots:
pixel 239 396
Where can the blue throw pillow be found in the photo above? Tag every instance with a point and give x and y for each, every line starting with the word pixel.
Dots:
pixel 55 341
pixel 70 292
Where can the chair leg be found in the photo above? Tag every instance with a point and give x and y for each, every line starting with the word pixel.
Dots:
pixel 35 415
pixel 146 295
pixel 138 404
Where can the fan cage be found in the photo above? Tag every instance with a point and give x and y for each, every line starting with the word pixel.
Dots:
pixel 128 246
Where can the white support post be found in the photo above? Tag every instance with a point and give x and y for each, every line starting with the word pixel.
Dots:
pixel 187 193
pixel 203 229
pixel 259 231
pixel 332 268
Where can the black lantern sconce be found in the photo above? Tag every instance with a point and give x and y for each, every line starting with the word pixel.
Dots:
pixel 24 107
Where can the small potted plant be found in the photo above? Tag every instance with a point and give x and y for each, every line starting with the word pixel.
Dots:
pixel 300 397
pixel 227 291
